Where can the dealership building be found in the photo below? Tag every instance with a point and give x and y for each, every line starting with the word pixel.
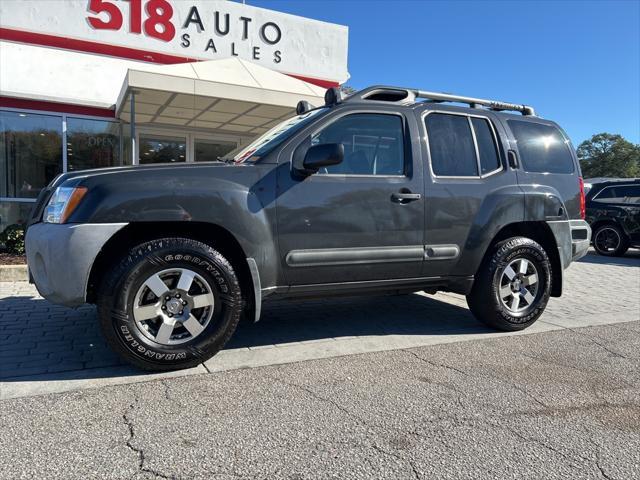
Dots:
pixel 99 83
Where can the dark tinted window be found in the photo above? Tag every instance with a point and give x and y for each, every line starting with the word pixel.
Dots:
pixel 489 160
pixel 619 194
pixel 451 145
pixel 542 147
pixel 373 144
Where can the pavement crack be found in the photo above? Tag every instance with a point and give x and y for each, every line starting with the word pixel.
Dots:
pixel 128 421
pixel 434 364
pixel 594 340
pixel 323 399
pixel 416 474
pixel 601 469
pixel 450 367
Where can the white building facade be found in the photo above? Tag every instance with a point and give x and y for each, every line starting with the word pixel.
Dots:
pixel 98 83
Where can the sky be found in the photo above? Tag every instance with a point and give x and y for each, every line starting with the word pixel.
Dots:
pixel 576 62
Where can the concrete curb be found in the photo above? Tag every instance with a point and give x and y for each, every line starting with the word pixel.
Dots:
pixel 241 358
pixel 14 273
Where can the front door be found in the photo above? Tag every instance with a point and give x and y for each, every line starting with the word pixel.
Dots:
pixel 357 221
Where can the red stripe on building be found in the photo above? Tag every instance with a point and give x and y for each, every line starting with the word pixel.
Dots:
pixel 87 46
pixel 56 107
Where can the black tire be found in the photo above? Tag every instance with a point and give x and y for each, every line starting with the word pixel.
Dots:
pixel 610 241
pixel 485 300
pixel 121 287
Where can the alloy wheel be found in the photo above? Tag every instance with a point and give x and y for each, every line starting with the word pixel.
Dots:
pixel 519 285
pixel 173 306
pixel 607 240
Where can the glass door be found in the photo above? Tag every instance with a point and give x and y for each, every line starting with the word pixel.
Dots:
pixel 153 148
pixel 209 150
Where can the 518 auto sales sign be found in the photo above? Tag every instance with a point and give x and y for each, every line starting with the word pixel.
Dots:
pixel 170 31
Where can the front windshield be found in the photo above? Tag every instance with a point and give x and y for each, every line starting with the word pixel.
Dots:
pixel 271 139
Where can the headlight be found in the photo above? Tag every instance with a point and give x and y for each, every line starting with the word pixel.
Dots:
pixel 62 204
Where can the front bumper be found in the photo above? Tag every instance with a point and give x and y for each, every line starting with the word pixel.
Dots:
pixel 60 258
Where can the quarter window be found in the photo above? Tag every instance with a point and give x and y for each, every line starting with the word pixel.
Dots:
pixel 543 148
pixel 373 144
pixel 489 160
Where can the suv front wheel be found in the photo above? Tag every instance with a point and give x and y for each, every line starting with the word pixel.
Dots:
pixel 170 303
pixel 513 285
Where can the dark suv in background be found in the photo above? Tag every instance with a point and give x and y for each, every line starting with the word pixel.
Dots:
pixel 613 211
pixel 376 193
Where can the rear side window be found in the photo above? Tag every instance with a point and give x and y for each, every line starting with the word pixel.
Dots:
pixel 451 145
pixel 543 148
pixel 619 194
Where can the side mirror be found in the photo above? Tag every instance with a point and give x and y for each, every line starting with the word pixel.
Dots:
pixel 323 155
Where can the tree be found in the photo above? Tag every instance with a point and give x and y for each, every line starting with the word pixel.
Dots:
pixel 609 155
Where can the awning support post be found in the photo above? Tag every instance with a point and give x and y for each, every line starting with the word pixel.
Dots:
pixel 133 128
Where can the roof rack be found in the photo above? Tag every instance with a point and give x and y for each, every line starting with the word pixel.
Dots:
pixel 409 95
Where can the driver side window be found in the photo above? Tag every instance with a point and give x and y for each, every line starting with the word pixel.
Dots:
pixel 373 144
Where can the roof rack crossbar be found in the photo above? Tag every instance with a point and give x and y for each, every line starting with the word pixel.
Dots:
pixel 474 102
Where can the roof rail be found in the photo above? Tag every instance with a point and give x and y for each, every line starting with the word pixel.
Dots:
pixel 409 95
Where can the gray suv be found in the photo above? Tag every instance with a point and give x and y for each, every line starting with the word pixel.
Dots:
pixel 390 190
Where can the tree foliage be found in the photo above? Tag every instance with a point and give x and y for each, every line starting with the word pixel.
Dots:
pixel 609 155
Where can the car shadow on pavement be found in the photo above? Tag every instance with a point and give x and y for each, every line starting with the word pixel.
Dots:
pixel 38 339
pixel 629 259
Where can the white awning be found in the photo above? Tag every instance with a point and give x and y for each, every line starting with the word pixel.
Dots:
pixel 230 94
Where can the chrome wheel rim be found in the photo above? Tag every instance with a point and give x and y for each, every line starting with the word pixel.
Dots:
pixel 173 306
pixel 519 285
pixel 607 240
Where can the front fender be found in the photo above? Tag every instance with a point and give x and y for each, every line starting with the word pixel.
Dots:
pixel 239 199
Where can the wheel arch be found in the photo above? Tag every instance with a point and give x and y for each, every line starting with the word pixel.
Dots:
pixel 541 233
pixel 136 233
pixel 606 221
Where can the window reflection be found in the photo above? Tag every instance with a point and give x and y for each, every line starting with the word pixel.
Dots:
pixel 30 152
pixel 92 143
pixel 159 149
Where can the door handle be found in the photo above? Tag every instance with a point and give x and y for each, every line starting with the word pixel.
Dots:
pixel 405 196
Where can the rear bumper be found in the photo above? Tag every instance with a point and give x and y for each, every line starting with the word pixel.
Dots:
pixel 573 238
pixel 60 258
pixel 580 238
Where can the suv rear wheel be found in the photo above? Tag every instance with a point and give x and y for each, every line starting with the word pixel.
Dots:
pixel 513 285
pixel 171 303
pixel 609 240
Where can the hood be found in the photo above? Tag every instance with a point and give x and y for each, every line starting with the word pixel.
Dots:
pixel 76 178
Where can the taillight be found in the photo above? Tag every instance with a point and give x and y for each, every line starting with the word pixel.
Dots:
pixel 583 202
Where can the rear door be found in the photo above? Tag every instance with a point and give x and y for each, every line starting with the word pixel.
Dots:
pixel 349 222
pixel 469 183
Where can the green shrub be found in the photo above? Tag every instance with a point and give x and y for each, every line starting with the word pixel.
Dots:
pixel 13 239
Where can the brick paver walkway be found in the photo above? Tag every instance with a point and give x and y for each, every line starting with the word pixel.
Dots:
pixel 37 337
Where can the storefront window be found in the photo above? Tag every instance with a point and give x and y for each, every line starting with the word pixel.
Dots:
pixel 92 143
pixel 161 149
pixel 30 153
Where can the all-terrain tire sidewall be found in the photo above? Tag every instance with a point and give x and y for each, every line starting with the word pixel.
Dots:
pixel 117 293
pixel 484 300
